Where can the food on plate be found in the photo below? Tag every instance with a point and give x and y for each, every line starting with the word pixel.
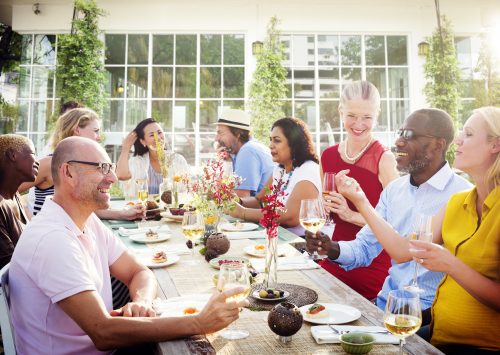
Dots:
pixel 317 311
pixel 190 311
pixel 234 262
pixel 159 257
pixel 238 225
pixel 180 210
pixel 151 205
pixel 131 203
pixel 259 249
pixel 271 293
pixel 151 234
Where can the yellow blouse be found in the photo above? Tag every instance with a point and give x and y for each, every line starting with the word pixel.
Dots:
pixel 458 318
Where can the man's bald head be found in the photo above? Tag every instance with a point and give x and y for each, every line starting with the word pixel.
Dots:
pixel 72 148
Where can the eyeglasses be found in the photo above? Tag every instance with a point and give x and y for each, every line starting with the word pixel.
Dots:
pixel 409 134
pixel 104 167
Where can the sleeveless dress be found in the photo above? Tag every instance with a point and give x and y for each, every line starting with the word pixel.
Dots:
pixel 368 280
pixel 40 196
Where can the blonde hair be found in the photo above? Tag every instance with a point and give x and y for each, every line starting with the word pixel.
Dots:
pixel 12 142
pixel 360 90
pixel 491 117
pixel 69 121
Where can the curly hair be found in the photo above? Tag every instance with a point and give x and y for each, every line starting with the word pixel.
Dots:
pixel 299 140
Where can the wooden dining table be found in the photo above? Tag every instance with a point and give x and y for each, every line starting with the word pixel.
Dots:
pixel 184 279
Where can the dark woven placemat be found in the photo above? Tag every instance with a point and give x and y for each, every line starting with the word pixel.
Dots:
pixel 299 296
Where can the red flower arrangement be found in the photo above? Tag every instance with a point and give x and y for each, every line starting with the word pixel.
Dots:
pixel 273 207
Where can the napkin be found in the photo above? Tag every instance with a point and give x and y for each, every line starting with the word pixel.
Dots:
pixel 128 232
pixel 287 263
pixel 259 234
pixel 323 334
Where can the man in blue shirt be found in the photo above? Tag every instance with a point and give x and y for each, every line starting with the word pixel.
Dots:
pixel 251 160
pixel 420 151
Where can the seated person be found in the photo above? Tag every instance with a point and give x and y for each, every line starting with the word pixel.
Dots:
pixel 251 160
pixel 420 151
pixel 293 149
pixel 466 239
pixel 81 122
pixel 17 164
pixel 60 271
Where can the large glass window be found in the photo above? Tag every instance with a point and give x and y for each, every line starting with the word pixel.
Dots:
pixel 320 65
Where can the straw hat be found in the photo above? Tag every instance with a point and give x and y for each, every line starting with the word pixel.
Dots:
pixel 235 118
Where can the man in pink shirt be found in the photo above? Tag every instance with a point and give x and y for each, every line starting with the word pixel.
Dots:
pixel 61 299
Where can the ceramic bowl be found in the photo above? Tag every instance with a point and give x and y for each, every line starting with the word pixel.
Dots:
pixel 357 343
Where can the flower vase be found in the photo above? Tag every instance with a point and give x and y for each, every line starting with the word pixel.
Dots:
pixel 212 222
pixel 167 197
pixel 271 269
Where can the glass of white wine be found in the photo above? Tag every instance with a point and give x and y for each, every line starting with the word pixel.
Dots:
pixel 312 217
pixel 232 275
pixel 403 315
pixel 328 187
pixel 193 228
pixel 141 186
pixel 422 231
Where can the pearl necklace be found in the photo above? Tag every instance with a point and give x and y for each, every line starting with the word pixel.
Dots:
pixel 356 157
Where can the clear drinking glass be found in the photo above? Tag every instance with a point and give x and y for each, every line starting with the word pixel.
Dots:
pixel 422 231
pixel 328 187
pixel 312 217
pixel 193 227
pixel 233 275
pixel 403 314
pixel 141 186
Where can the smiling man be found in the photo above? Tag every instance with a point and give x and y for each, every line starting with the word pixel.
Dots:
pixel 420 151
pixel 60 271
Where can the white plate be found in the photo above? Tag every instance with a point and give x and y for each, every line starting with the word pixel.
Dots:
pixel 286 294
pixel 215 262
pixel 337 314
pixel 250 249
pixel 146 257
pixel 176 309
pixel 141 238
pixel 170 216
pixel 242 227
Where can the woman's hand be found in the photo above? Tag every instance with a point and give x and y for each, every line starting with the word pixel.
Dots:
pixel 129 140
pixel 336 203
pixel 349 188
pixel 432 256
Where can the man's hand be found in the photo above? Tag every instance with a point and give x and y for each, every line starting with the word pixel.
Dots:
pixel 134 309
pixel 137 211
pixel 218 313
pixel 318 242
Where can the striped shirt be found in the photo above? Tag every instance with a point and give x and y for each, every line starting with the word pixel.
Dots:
pixel 40 196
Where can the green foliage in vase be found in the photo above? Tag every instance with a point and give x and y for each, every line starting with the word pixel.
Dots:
pixel 80 70
pixel 268 88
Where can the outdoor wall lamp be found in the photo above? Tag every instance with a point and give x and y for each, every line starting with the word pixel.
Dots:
pixel 36 9
pixel 120 89
pixel 257 47
pixel 423 48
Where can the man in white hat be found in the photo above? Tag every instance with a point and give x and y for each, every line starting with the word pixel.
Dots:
pixel 251 160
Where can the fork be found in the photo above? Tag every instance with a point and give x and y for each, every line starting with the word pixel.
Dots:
pixel 340 332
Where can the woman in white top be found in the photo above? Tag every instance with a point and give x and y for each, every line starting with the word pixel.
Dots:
pixel 292 148
pixel 144 162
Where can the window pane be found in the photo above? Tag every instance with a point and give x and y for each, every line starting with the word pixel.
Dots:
pixel 234 49
pixel 303 50
pixel 398 83
pixel 377 77
pixel 163 49
pixel 44 50
pixel 210 82
pixel 396 50
pixel 210 49
pixel 374 50
pixel 383 119
pixel 304 82
pixel 137 85
pixel 184 116
pixel 138 49
pixel 288 82
pixel 209 113
pixel 327 140
pixel 236 104
pixel 39 142
pixel 26 49
pixel 136 112
pixel 185 49
pixel 207 145
pixel 115 49
pixel 43 82
pixel 350 74
pixel 161 111
pixel 185 82
pixel 306 111
pixel 234 82
pixel 285 41
pixel 115 77
pixel 463 49
pixel 22 121
pixel 329 119
pixel 350 50
pixel 329 82
pixel 399 111
pixel 40 114
pixel 113 116
pixel 162 82
pixel 185 145
pixel 24 81
pixel 328 50
pixel 287 108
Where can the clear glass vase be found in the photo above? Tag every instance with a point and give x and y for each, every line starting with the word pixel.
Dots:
pixel 167 194
pixel 271 269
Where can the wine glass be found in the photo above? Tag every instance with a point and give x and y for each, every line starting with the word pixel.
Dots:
pixel 141 186
pixel 328 187
pixel 312 218
pixel 403 315
pixel 193 227
pixel 233 275
pixel 422 231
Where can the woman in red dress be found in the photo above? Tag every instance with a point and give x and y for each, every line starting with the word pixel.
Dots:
pixel 373 166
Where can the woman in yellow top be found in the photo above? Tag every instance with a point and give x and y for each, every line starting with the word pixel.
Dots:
pixel 466 243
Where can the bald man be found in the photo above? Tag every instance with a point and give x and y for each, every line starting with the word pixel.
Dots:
pixel 17 165
pixel 60 271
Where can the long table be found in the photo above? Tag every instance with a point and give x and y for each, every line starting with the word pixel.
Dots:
pixel 181 279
